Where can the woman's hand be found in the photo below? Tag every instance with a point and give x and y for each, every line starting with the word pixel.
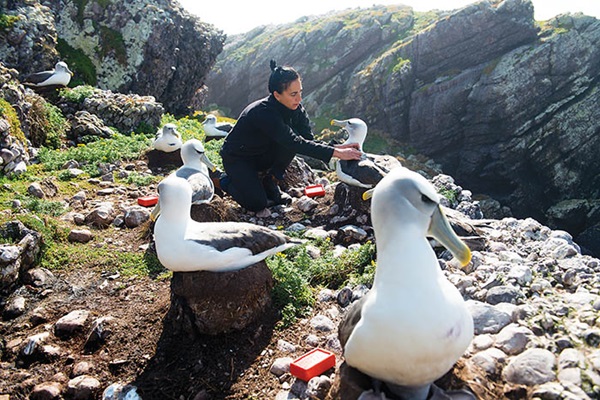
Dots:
pixel 347 151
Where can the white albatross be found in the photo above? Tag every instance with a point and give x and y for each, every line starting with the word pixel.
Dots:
pixel 59 76
pixel 195 171
pixel 214 129
pixel 183 244
pixel 413 325
pixel 167 139
pixel 371 168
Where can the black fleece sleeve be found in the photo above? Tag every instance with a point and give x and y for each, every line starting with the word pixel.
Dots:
pixel 273 126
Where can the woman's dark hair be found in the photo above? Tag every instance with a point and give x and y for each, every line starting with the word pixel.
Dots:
pixel 281 77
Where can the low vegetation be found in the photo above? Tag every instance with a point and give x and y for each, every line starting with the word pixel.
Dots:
pixel 298 275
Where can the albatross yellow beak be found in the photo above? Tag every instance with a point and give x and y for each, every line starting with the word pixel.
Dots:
pixel 368 194
pixel 155 213
pixel 440 229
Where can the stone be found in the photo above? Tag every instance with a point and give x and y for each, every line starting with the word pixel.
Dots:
pixel 14 308
pixel 198 303
pixel 39 277
pixel 318 387
pixel 80 235
pixel 70 323
pixel 489 360
pixel 136 216
pixel 503 294
pixel 513 339
pixel 486 318
pixel 322 323
pixel 532 367
pixel 83 387
pixel 281 365
pixel 46 391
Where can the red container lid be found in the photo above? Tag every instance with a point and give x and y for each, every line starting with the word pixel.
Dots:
pixel 314 190
pixel 312 364
pixel 147 201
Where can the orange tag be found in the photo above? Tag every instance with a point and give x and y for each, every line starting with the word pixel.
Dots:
pixel 147 201
pixel 312 364
pixel 314 190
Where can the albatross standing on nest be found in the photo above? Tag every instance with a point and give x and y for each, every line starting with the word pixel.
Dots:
pixel 214 129
pixel 59 76
pixel 167 139
pixel 183 244
pixel 369 170
pixel 195 171
pixel 413 325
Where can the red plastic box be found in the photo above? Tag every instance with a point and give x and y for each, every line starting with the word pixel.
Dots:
pixel 312 364
pixel 314 190
pixel 147 201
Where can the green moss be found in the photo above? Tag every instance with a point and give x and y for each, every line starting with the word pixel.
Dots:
pixel 112 42
pixel 8 112
pixel 84 71
pixel 401 63
pixel 7 22
pixel 80 10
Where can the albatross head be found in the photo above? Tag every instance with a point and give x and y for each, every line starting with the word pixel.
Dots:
pixel 170 129
pixel 404 199
pixel 210 120
pixel 174 199
pixel 62 66
pixel 192 152
pixel 356 128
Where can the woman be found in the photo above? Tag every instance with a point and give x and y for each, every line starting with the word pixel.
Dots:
pixel 267 135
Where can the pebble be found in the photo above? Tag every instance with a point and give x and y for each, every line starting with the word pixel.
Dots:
pixel 281 365
pixel 532 367
pixel 322 323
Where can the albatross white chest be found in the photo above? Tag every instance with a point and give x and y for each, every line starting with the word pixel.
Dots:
pixel 167 139
pixel 413 325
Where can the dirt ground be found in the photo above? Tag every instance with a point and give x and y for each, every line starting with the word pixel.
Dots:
pixel 140 349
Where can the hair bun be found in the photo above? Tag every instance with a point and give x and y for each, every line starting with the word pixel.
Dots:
pixel 273 65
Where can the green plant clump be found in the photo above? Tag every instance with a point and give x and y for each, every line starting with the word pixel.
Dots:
pixel 7 22
pixel 297 274
pixel 8 112
pixel 78 94
pixel 47 125
pixel 90 156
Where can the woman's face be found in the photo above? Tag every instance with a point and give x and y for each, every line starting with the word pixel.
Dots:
pixel 292 96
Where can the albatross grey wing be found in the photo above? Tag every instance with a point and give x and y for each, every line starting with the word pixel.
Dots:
pixel 225 235
pixel 37 78
pixel 350 320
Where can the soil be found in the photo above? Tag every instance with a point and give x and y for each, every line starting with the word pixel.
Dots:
pixel 140 350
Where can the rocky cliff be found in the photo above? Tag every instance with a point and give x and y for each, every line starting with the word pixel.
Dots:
pixel 506 104
pixel 146 47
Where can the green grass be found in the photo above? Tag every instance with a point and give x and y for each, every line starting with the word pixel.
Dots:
pixel 89 156
pixel 298 275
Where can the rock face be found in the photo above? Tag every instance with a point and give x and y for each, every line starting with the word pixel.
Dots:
pixel 151 48
pixel 507 106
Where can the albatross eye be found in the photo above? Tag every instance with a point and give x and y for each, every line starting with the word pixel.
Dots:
pixel 427 200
